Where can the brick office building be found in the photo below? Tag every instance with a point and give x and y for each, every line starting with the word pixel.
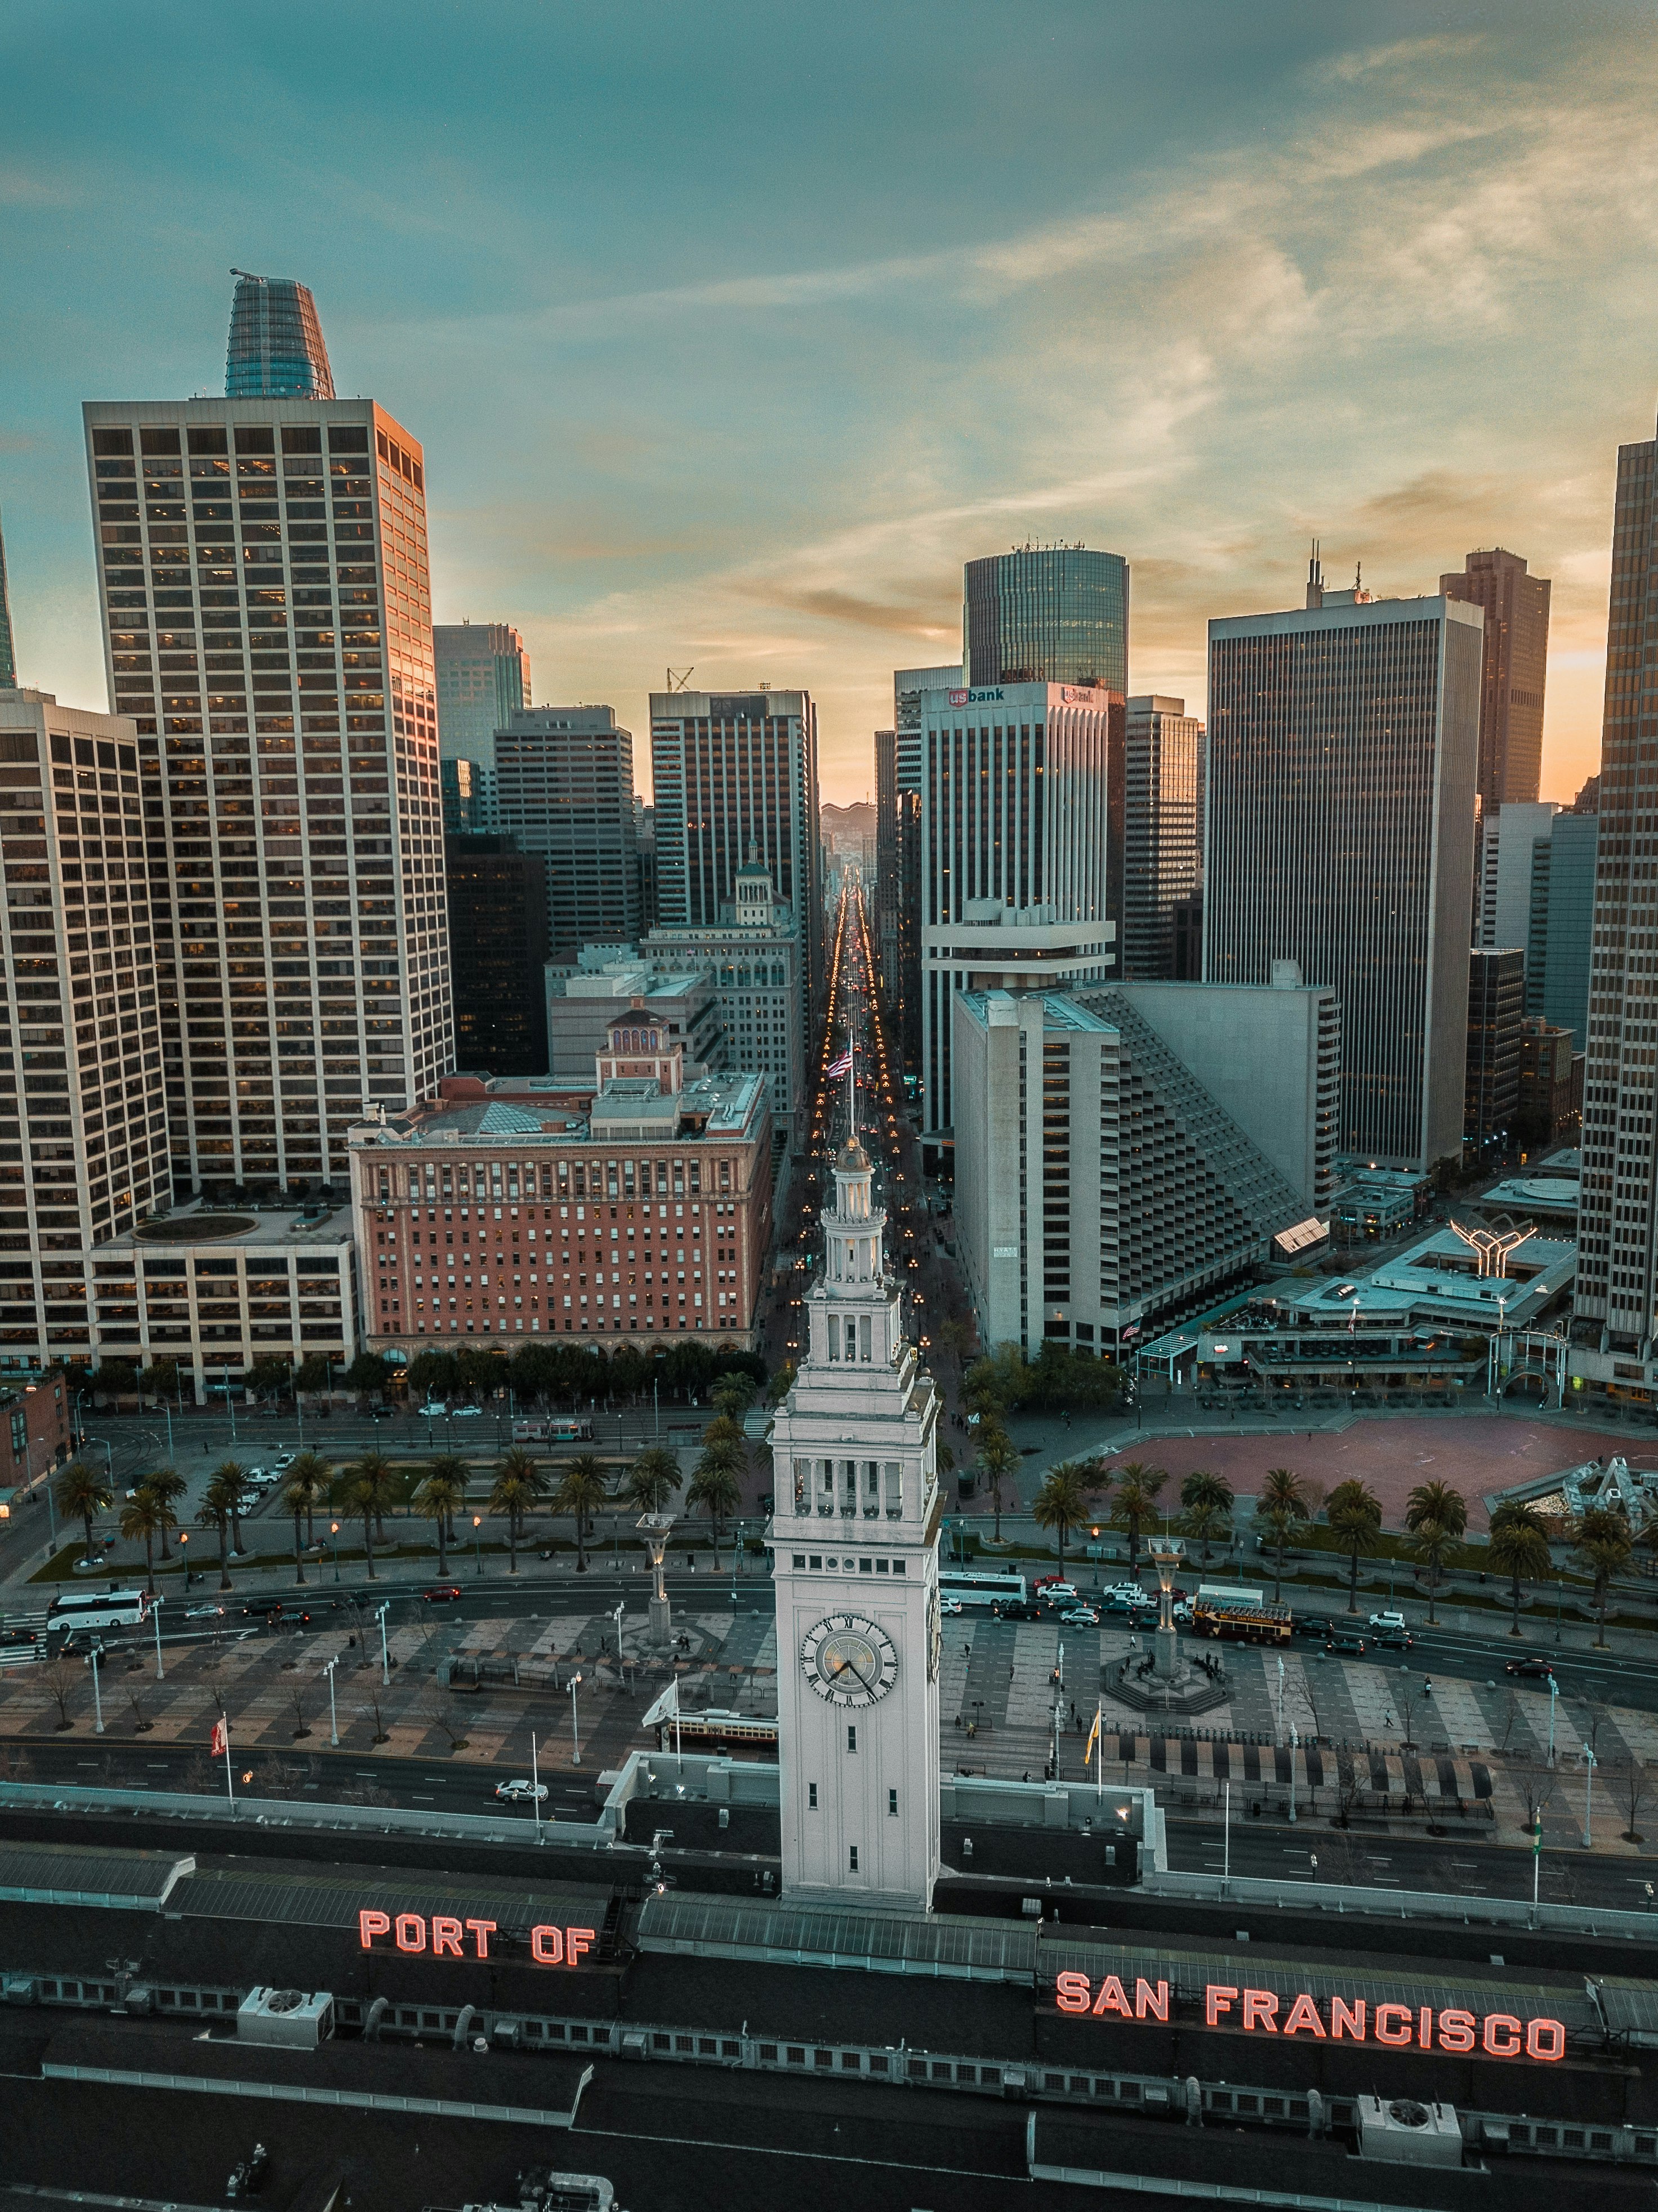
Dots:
pixel 638 1207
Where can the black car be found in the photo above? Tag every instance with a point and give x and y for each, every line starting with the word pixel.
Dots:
pixel 1392 1639
pixel 1017 1608
pixel 1345 1645
pixel 1310 1624
pixel 1533 1671
pixel 288 1616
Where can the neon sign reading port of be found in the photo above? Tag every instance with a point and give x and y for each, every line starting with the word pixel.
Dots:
pixel 445 1938
pixel 1257 2012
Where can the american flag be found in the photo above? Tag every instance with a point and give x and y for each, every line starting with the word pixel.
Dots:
pixel 839 1066
pixel 221 1739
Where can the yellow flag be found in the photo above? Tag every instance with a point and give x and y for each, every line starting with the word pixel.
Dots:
pixel 1093 1737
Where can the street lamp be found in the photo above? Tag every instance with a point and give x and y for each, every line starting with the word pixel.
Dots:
pixel 477 1542
pixel 97 1700
pixel 1588 1796
pixel 333 1718
pixel 184 1539
pixel 156 1608
pixel 1554 1691
pixel 386 1662
pixel 334 1539
pixel 575 1725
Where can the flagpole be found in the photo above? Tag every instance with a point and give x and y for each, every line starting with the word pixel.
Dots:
pixel 1099 1755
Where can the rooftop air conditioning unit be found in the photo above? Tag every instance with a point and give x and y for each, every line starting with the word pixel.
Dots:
pixel 287 2018
pixel 1408 2133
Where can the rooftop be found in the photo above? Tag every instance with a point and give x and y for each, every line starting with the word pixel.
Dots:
pixel 200 1225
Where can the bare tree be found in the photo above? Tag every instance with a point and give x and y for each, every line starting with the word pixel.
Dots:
pixel 279 1777
pixel 199 1776
pixel 141 1723
pixel 1535 1782
pixel 435 1714
pixel 1352 1780
pixel 1411 1697
pixel 296 1698
pixel 381 1733
pixel 1511 1719
pixel 15 1765
pixel 61 1677
pixel 1629 1781
pixel 366 1793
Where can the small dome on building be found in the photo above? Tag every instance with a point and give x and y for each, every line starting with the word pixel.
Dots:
pixel 853 1159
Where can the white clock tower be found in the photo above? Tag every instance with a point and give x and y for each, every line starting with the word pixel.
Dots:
pixel 856 1542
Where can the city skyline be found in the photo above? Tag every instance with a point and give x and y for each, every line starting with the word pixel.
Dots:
pixel 1306 328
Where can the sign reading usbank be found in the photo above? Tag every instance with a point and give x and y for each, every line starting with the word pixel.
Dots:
pixel 974 698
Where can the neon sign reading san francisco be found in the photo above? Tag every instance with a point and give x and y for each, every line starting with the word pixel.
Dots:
pixel 1336 2019
pixel 414 1933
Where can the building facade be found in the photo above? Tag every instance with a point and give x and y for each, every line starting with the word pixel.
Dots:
pixel 1496 1009
pixel 1045 613
pixel 1560 926
pixel 1514 674
pixel 497 954
pixel 735 774
pixel 1341 755
pixel 855 1446
pixel 882 896
pixel 482 680
pixel 1162 834
pixel 910 687
pixel 36 1434
pixel 1510 837
pixel 564 781
pixel 7 639
pixel 1018 883
pixel 275 350
pixel 262 575
pixel 639 1207
pixel 1551 1082
pixel 582 1000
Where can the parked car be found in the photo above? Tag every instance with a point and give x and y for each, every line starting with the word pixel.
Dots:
pixel 1388 1619
pixel 441 1594
pixel 521 1792
pixel 434 1410
pixel 1531 1670
pixel 1345 1645
pixel 283 1461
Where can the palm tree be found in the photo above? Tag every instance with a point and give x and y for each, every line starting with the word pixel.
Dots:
pixel 1283 1506
pixel 1435 1516
pixel 234 1480
pixel 167 1484
pixel 715 1488
pixel 438 1499
pixel 452 1468
pixel 735 1393
pixel 1355 1513
pixel 652 1479
pixel 1206 1500
pixel 306 1481
pixel 511 1494
pixel 147 1516
pixel 79 1490
pixel 582 1491
pixel 364 1494
pixel 218 1504
pixel 1603 1543
pixel 1519 1548
pixel 1138 1490
pixel 1061 1504
pixel 998 1456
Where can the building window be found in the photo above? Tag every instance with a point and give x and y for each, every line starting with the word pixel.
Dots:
pixel 811 1796
pixel 852 1862
pixel 852 1739
pixel 892 1803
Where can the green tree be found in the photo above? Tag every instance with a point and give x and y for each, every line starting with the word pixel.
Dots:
pixel 303 1490
pixel 78 1489
pixel 313 1373
pixel 734 1393
pixel 147 1516
pixel 1061 1504
pixel 580 1493
pixel 453 1469
pixel 998 1456
pixel 216 1510
pixel 368 1373
pixel 437 1499
pixel 715 1486
pixel 1355 1517
pixel 1285 1504
pixel 268 1378
pixel 512 1495
pixel 781 1384
pixel 161 1379
pixel 1139 1487
pixel 1435 1516
pixel 232 1479
pixel 1205 1507
pixel 1602 1541
pixel 652 1479
pixel 1519 1548
pixel 169 1486
pixel 367 1489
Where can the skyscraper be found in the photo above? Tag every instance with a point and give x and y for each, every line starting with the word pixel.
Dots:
pixel 1496 1003
pixel 263 578
pixel 734 771
pixel 1341 755
pixel 1619 1194
pixel 277 349
pixel 564 781
pixel 484 680
pixel 1045 613
pixel 1515 668
pixel 883 895
pixel 8 644
pixel 1161 832
pixel 1511 836
pixel 1560 934
pixel 497 954
pixel 909 688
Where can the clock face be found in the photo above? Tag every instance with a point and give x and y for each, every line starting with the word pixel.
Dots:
pixel 848 1660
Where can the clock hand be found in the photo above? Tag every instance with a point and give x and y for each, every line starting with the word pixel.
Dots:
pixel 848 1663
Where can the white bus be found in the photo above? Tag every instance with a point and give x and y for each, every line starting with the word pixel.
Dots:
pixel 967 1587
pixel 97 1609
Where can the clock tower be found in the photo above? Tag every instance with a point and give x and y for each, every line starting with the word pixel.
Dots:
pixel 854 1540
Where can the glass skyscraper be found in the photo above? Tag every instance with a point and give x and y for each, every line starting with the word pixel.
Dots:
pixel 484 680
pixel 1047 614
pixel 277 349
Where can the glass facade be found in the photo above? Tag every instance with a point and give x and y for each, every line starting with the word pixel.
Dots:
pixel 484 680
pixel 564 788
pixel 1050 613
pixel 277 349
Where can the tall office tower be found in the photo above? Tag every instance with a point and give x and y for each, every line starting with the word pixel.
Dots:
pixel 1497 1007
pixel 497 954
pixel 732 772
pixel 277 349
pixel 1162 833
pixel 484 679
pixel 1508 842
pixel 8 644
pixel 1016 854
pixel 645 841
pixel 1560 925
pixel 265 559
pixel 883 896
pixel 1045 613
pixel 1342 749
pixel 1516 659
pixel 564 779
pixel 1618 1197
pixel 909 688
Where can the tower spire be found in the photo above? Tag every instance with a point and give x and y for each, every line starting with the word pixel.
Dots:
pixel 8 647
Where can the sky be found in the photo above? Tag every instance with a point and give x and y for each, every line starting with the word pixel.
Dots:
pixel 731 330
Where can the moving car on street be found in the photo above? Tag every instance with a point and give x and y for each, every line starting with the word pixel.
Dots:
pixel 521 1792
pixel 1531 1670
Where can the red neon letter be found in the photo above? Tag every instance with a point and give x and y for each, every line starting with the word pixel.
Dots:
pixel 1216 1999
pixel 1425 2027
pixel 484 1930
pixel 445 1937
pixel 1545 2038
pixel 1456 2031
pixel 1501 2035
pixel 1071 1992
pixel 576 1941
pixel 411 1931
pixel 1386 2015
pixel 370 1924
pixel 1347 2018
pixel 1148 2000
pixel 1303 2016
pixel 1260 2009
pixel 547 1946
pixel 1113 1997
